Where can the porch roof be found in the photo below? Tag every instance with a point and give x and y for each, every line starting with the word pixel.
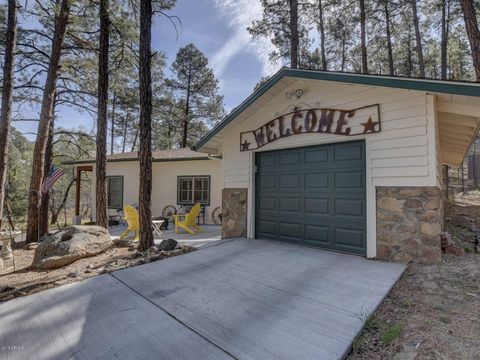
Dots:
pixel 183 154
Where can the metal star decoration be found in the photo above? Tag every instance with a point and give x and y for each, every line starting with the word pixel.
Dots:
pixel 369 126
pixel 245 145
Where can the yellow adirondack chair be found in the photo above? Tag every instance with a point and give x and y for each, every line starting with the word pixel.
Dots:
pixel 186 222
pixel 131 215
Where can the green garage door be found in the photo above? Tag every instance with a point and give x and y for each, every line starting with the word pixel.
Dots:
pixel 313 196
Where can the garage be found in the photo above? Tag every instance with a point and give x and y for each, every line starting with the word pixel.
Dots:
pixel 313 196
pixel 344 162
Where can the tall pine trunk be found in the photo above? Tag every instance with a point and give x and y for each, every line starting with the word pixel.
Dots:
pixel 363 36
pixel 145 124
pixel 6 116
pixel 34 196
pixel 444 44
pixel 187 109
pixel 471 25
pixel 418 38
pixel 321 30
pixel 101 164
pixel 294 34
pixel 112 129
pixel 125 124
pixel 391 66
pixel 44 204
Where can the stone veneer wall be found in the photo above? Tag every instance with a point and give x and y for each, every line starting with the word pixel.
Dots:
pixel 234 213
pixel 409 223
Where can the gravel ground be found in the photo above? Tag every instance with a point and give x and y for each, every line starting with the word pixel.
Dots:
pixel 25 281
pixel 434 311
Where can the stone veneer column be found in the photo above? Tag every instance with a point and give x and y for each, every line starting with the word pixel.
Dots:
pixel 409 223
pixel 234 212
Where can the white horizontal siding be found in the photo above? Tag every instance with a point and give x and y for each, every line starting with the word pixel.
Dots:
pixel 164 182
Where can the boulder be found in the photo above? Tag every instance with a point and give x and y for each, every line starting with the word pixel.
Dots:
pixel 167 245
pixel 70 244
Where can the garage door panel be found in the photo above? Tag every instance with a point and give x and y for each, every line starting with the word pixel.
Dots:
pixel 349 238
pixel 352 153
pixel 289 230
pixel 290 158
pixel 267 203
pixel 290 204
pixel 319 180
pixel 290 181
pixel 313 196
pixel 317 233
pixel 267 228
pixel 316 206
pixel 349 180
pixel 268 182
pixel 267 160
pixel 316 156
pixel 350 207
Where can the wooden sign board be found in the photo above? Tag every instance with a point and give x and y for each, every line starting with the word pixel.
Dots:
pixel 364 120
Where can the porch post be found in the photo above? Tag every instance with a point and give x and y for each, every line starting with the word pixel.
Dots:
pixel 77 193
pixel 77 219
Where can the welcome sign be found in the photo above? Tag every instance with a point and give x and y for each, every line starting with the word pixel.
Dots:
pixel 364 120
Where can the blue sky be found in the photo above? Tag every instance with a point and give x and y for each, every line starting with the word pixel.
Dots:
pixel 218 29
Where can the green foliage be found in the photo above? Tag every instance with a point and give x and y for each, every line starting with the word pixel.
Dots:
pixel 358 343
pixel 390 333
pixel 18 174
pixel 342 36
pixel 193 93
pixel 275 24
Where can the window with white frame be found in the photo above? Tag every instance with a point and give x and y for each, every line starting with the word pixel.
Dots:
pixel 115 192
pixel 193 189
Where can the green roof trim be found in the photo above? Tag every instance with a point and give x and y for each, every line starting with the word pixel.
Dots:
pixel 78 162
pixel 427 85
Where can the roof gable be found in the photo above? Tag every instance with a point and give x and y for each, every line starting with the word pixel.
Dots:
pixel 425 85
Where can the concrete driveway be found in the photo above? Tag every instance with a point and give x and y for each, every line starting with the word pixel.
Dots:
pixel 236 299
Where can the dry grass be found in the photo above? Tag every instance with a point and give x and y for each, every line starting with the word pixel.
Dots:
pixel 434 311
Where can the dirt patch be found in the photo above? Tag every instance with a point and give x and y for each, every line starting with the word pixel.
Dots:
pixel 434 311
pixel 25 281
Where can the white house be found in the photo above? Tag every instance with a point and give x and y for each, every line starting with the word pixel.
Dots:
pixel 344 162
pixel 181 177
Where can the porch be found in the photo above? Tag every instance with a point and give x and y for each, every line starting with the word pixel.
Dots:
pixel 211 234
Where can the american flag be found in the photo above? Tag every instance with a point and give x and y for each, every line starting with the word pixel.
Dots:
pixel 53 175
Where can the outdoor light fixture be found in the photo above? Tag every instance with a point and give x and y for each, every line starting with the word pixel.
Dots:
pixel 294 94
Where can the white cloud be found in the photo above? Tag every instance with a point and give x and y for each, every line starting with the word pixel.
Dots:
pixel 239 14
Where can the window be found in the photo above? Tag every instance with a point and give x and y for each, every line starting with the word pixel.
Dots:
pixel 193 189
pixel 115 192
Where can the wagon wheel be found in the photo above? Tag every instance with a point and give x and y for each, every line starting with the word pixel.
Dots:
pixel 217 216
pixel 168 212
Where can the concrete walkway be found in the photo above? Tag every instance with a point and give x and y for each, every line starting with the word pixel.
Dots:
pixel 238 299
pixel 211 234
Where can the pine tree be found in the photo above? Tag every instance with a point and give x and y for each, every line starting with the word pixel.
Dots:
pixel 196 91
pixel 101 164
pixel 418 39
pixel 285 22
pixel 34 197
pixel 7 96
pixel 145 125
pixel 363 37
pixel 471 25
